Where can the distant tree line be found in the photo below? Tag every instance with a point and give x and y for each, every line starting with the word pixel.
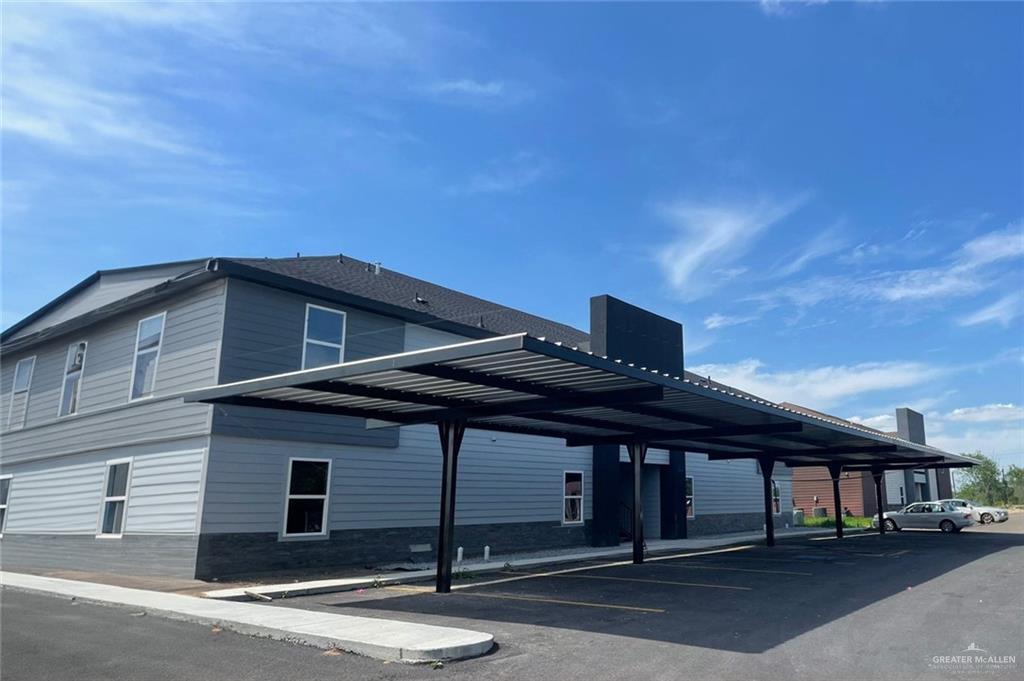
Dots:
pixel 986 484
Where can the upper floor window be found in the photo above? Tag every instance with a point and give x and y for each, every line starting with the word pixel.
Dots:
pixel 572 497
pixel 22 382
pixel 324 341
pixel 147 351
pixel 72 379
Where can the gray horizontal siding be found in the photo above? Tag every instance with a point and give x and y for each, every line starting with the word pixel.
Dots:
pixel 188 359
pixel 263 334
pixel 64 496
pixel 724 487
pixel 142 555
pixel 504 479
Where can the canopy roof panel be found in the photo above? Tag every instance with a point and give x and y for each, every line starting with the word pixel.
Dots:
pixel 527 385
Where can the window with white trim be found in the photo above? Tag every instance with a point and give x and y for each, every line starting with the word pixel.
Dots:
pixel 148 339
pixel 5 492
pixel 690 510
pixel 19 392
pixel 572 497
pixel 72 385
pixel 115 498
pixel 309 484
pixel 776 498
pixel 324 337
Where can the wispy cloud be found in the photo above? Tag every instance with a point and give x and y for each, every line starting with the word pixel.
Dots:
pixel 988 413
pixel 820 387
pixel 713 236
pixel 721 321
pixel 479 92
pixel 506 175
pixel 778 8
pixel 1003 311
pixel 826 242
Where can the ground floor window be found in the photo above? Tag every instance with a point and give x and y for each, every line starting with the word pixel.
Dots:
pixel 115 498
pixel 690 512
pixel 5 491
pixel 572 497
pixel 309 482
pixel 776 498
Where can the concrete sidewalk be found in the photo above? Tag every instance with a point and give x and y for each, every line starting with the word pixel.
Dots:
pixel 378 638
pixel 424 571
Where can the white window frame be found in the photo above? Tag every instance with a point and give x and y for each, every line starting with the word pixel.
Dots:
pixel 100 534
pixel 692 497
pixel 64 379
pixel 288 496
pixel 305 333
pixel 27 391
pixel 573 496
pixel 776 486
pixel 4 506
pixel 135 355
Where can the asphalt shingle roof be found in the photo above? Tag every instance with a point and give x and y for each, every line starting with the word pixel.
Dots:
pixel 359 278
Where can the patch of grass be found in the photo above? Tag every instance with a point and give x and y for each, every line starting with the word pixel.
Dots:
pixel 854 521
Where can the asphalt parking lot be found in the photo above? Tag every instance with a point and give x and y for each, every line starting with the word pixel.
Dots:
pixel 866 607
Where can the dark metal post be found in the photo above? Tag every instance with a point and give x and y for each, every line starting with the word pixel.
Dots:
pixel 637 454
pixel 767 464
pixel 450 433
pixel 877 474
pixel 834 471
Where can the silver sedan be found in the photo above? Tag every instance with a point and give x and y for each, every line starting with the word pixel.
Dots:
pixel 982 514
pixel 927 515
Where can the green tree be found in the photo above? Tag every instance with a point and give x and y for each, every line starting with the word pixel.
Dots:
pixel 1015 482
pixel 983 482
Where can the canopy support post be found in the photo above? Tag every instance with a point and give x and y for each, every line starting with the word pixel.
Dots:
pixel 637 454
pixel 767 464
pixel 834 471
pixel 450 433
pixel 877 474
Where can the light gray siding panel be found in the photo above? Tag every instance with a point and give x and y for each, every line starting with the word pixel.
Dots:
pixel 141 554
pixel 263 334
pixel 734 486
pixel 112 286
pixel 64 496
pixel 188 357
pixel 657 457
pixel 146 420
pixel 502 478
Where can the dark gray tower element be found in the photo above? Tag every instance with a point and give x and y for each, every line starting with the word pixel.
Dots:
pixel 910 425
pixel 619 330
pixel 632 334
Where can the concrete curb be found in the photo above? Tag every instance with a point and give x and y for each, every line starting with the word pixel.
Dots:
pixel 378 638
pixel 322 586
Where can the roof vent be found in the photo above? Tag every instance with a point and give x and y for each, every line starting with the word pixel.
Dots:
pixel 341 258
pixel 373 267
pixel 420 300
pixel 481 322
pixel 297 254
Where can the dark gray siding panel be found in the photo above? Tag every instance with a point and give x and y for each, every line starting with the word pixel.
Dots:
pixel 144 555
pixel 263 334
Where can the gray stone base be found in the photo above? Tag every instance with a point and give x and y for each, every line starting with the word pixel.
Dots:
pixel 253 554
pixel 723 523
pixel 143 555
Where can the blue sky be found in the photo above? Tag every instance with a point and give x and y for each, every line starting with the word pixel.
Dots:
pixel 828 196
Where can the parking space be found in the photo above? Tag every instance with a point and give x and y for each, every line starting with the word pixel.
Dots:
pixel 800 598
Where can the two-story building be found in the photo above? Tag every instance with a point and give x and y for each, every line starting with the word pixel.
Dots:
pixel 104 466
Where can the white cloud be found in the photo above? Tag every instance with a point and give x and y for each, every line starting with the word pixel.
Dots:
pixel 1002 244
pixel 824 243
pixel 1003 311
pixel 479 92
pixel 713 236
pixel 819 387
pixel 720 321
pixel 988 413
pixel 506 175
pixel 883 422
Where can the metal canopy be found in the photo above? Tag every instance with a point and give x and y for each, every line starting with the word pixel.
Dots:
pixel 520 384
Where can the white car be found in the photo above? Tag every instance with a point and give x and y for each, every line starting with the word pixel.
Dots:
pixel 930 515
pixel 982 514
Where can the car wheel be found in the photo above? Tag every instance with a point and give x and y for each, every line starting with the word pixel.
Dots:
pixel 947 526
pixel 890 525
pixel 986 518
